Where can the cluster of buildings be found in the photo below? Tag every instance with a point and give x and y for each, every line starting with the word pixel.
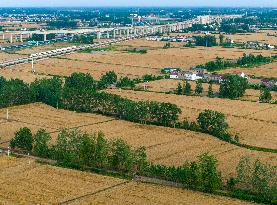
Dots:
pixel 255 45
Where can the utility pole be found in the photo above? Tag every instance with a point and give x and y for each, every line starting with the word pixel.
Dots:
pixel 7 114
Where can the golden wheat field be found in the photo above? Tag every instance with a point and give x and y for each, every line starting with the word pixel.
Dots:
pixel 254 122
pixel 164 145
pixel 24 182
pixel 9 56
pixel 135 65
pixel 139 193
pixel 170 85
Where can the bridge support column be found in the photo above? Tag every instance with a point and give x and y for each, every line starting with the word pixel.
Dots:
pixel 21 37
pixel 98 35
pixel 108 34
pixel 114 34
pixel 3 37
pixel 11 38
pixel 127 32
pixel 44 37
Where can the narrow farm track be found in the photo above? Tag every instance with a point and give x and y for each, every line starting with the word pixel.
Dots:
pixel 94 193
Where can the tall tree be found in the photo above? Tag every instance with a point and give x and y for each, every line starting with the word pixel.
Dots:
pixel 187 88
pixel 233 86
pixel 179 89
pixel 199 87
pixel 210 90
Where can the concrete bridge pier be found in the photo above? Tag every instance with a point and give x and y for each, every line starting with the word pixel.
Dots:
pixel 44 37
pixel 99 35
pixel 114 34
pixel 11 38
pixel 127 32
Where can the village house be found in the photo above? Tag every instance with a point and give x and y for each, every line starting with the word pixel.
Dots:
pixel 218 78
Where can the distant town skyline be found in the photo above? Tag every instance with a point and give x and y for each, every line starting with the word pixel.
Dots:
pixel 142 3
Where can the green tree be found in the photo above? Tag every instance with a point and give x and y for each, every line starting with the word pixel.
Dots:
pixel 15 92
pixel 108 79
pixel 121 158
pixel 257 178
pixel 233 86
pixel 210 176
pixel 101 152
pixel 265 95
pixel 199 87
pixel 179 89
pixel 23 139
pixel 221 39
pixel 125 82
pixel 210 91
pixel 80 82
pixel 167 45
pixel 48 91
pixel 41 140
pixel 214 123
pixel 187 89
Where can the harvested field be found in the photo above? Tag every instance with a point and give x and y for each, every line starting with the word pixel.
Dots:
pixel 255 123
pixel 164 145
pixel 22 178
pixel 169 85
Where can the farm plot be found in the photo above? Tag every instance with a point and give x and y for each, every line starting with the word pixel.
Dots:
pixel 22 178
pixel 169 85
pixel 163 145
pixel 25 182
pixel 268 70
pixel 140 193
pixel 255 123
pixel 172 57
pixel 22 74
pixel 9 56
pixel 65 67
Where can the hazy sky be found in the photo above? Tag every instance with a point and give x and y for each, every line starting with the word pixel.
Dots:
pixel 49 3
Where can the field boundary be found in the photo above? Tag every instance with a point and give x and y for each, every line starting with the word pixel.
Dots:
pixel 94 193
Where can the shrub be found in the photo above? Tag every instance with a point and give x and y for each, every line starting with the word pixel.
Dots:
pixel 265 95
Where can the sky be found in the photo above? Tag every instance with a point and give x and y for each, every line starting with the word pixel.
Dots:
pixel 119 3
